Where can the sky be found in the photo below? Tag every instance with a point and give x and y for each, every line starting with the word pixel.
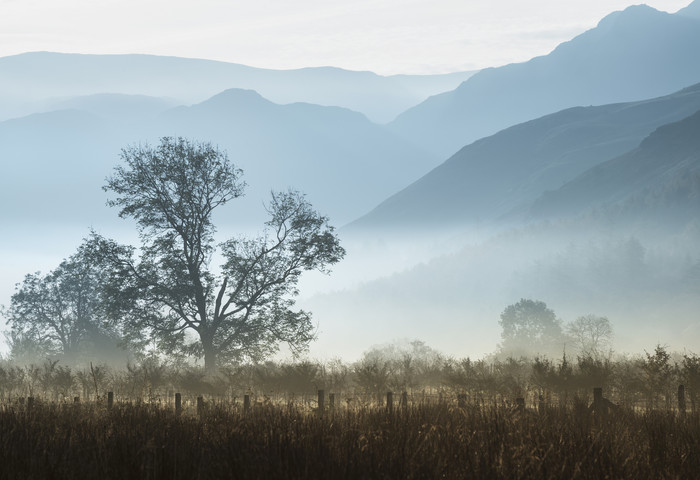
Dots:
pixel 384 36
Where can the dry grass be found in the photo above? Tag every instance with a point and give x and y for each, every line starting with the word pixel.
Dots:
pixel 422 441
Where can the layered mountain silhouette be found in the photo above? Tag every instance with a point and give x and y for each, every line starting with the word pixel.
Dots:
pixel 621 240
pixel 659 179
pixel 501 175
pixel 339 158
pixel 57 161
pixel 633 54
pixel 30 82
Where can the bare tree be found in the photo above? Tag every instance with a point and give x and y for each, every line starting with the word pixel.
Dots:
pixel 591 336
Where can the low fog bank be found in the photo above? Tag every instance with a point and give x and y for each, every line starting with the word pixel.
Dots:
pixel 643 277
pixel 449 288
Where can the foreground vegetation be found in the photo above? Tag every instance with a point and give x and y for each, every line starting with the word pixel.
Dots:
pixel 429 440
pixel 491 418
pixel 648 381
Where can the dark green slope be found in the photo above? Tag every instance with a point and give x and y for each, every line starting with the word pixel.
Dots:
pixel 659 179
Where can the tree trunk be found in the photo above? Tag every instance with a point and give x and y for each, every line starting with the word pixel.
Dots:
pixel 210 355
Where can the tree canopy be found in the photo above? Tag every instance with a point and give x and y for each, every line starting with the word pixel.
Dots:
pixel 60 313
pixel 168 289
pixel 528 326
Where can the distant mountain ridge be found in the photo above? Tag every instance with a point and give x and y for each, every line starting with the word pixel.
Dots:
pixel 502 174
pixel 30 82
pixel 56 162
pixel 633 54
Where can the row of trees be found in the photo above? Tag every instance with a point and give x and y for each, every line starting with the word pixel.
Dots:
pixel 530 327
pixel 165 294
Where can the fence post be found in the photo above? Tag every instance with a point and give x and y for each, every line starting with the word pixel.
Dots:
pixel 30 403
pixel 200 406
pixel 597 397
pixel 246 403
pixel 404 400
pixel 520 404
pixel 178 403
pixel 331 401
pixel 681 399
pixel 390 402
pixel 540 404
pixel 321 398
pixel 110 400
pixel 462 400
pixel 76 399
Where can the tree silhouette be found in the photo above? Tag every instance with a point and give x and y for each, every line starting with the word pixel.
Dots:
pixel 243 309
pixel 60 313
pixel 528 326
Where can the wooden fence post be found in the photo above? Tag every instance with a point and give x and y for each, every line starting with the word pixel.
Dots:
pixel 76 399
pixel 246 403
pixel 110 400
pixel 331 401
pixel 404 400
pixel 178 403
pixel 597 405
pixel 200 406
pixel 540 405
pixel 462 400
pixel 321 399
pixel 597 395
pixel 390 402
pixel 681 399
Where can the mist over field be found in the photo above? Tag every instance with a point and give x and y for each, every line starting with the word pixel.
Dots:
pixel 571 179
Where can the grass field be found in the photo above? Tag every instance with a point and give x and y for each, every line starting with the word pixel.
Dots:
pixel 431 441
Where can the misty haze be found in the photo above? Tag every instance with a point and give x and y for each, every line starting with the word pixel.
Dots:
pixel 220 241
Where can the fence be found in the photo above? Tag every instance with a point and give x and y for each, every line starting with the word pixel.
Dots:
pixel 329 403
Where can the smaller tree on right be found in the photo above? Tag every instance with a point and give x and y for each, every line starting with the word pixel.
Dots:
pixel 591 336
pixel 529 327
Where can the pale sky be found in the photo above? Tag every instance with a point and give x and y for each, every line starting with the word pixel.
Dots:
pixel 384 36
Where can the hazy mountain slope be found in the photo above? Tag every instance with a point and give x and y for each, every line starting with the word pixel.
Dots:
pixel 55 163
pixel 692 10
pixel 660 178
pixel 28 82
pixel 132 108
pixel 637 53
pixel 53 167
pixel 647 286
pixel 495 175
pixel 625 245
pixel 340 159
